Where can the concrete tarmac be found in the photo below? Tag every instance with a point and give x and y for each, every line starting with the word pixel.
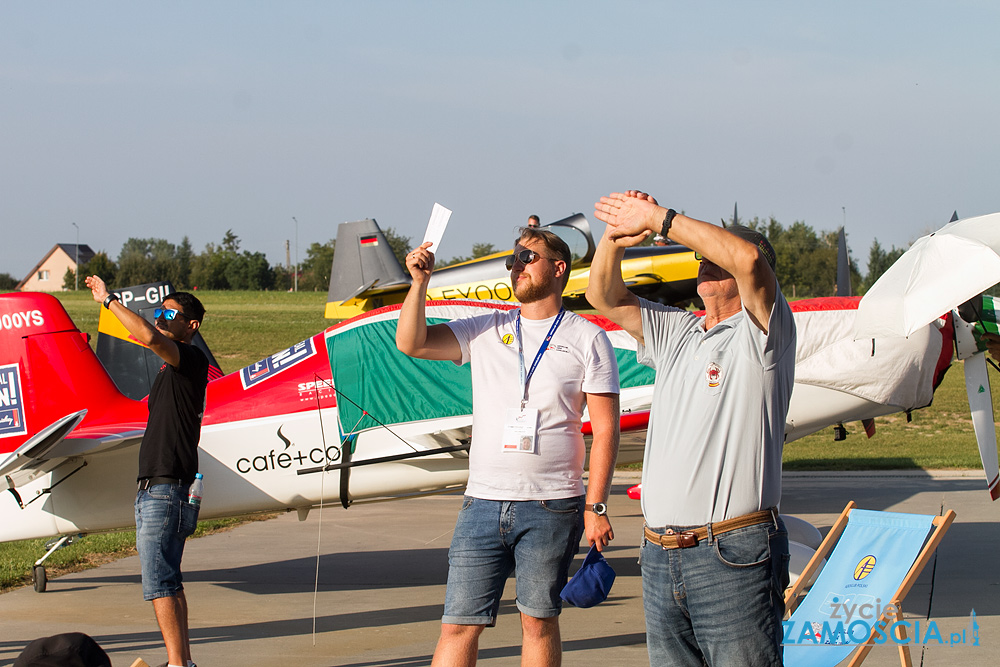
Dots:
pixel 259 595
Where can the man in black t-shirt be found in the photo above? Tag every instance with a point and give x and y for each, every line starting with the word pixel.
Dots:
pixel 168 456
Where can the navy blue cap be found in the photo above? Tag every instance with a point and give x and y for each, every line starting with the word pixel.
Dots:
pixel 591 583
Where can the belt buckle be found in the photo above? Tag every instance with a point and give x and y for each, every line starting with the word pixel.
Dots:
pixel 686 539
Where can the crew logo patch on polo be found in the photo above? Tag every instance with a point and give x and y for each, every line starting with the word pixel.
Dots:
pixel 713 373
pixel 507 339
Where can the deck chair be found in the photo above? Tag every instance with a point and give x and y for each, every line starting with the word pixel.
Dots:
pixel 877 559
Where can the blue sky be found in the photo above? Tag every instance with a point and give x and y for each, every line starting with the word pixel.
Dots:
pixel 191 118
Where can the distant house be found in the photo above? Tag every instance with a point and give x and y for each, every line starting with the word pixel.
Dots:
pixel 47 276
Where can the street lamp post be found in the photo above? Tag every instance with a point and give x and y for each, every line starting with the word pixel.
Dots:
pixel 296 254
pixel 76 272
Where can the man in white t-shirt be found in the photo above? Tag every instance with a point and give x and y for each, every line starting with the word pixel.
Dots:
pixel 534 370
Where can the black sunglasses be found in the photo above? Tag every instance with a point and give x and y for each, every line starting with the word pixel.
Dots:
pixel 525 257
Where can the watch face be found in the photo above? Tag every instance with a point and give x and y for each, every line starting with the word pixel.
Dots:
pixel 600 509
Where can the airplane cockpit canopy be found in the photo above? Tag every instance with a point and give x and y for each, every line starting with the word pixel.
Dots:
pixel 575 231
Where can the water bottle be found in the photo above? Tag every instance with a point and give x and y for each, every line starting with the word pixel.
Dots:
pixel 197 489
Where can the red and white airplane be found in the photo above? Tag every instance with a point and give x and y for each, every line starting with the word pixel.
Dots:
pixel 345 417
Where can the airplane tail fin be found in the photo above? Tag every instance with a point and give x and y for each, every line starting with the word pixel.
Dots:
pixel 362 262
pixel 48 371
pixel 131 365
pixel 970 320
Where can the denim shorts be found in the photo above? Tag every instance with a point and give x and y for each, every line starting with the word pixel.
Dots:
pixel 534 539
pixel 163 520
pixel 720 601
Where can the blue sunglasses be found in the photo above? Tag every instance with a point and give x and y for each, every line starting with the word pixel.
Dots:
pixel 167 313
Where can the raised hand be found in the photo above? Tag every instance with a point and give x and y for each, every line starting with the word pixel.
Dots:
pixel 97 287
pixel 420 262
pixel 631 216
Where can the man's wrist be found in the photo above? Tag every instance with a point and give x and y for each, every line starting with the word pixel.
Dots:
pixel 109 298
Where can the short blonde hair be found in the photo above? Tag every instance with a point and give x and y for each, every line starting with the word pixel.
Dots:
pixel 553 242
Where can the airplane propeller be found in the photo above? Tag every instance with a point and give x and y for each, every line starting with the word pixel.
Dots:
pixel 977 387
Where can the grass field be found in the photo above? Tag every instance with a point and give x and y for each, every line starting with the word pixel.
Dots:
pixel 940 436
pixel 244 327
pixel 239 327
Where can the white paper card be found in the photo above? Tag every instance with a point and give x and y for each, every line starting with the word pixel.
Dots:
pixel 436 226
pixel 520 431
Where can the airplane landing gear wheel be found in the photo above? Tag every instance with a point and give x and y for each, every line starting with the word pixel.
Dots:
pixel 39 578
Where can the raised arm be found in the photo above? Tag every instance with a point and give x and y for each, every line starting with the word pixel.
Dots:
pixel 135 324
pixel 606 290
pixel 413 336
pixel 632 215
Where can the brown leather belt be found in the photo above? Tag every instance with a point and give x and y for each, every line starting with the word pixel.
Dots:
pixel 147 482
pixel 690 538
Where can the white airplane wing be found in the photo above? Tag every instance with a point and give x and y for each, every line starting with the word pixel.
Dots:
pixel 53 446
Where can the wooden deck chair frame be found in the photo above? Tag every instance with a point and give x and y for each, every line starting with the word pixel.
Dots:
pixel 795 594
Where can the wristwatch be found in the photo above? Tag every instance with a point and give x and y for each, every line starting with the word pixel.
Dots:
pixel 600 509
pixel 111 297
pixel 668 220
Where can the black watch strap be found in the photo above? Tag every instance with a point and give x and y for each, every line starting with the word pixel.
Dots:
pixel 668 219
pixel 111 297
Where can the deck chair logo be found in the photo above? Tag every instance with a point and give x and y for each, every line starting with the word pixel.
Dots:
pixel 864 567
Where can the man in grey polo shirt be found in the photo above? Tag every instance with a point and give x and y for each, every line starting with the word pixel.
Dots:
pixel 715 557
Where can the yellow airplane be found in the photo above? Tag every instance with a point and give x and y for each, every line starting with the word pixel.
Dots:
pixel 366 275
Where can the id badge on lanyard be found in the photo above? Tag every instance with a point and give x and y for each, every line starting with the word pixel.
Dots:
pixel 520 430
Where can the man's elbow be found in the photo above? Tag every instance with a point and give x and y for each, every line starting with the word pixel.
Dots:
pixel 747 259
pixel 598 298
pixel 593 297
pixel 406 347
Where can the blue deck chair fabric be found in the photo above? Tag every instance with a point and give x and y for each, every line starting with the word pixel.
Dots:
pixel 873 556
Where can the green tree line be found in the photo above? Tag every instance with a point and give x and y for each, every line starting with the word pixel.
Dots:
pixel 807 262
pixel 220 266
pixel 807 259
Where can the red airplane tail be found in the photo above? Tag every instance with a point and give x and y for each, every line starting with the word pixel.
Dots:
pixel 48 371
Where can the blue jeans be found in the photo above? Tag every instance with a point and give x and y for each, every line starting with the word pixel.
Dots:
pixel 535 539
pixel 718 603
pixel 163 520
